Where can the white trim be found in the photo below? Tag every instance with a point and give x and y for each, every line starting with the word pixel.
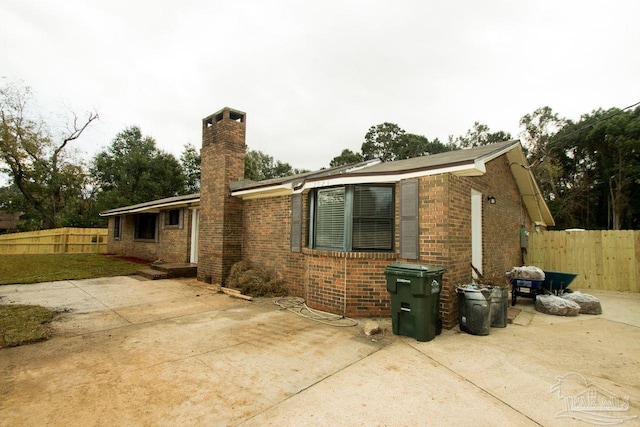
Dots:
pixel 257 193
pixel 195 235
pixel 154 208
pixel 476 232
pixel 465 170
pixel 475 169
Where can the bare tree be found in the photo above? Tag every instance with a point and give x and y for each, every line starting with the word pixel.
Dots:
pixel 35 161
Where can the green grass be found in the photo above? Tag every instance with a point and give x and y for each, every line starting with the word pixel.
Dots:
pixel 23 324
pixel 36 268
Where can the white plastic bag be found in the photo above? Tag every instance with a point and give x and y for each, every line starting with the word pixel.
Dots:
pixel 526 272
pixel 588 303
pixel 551 304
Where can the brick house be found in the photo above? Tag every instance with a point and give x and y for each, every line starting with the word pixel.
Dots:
pixel 158 230
pixel 330 234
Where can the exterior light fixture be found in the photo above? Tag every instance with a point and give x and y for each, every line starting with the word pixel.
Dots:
pixel 491 200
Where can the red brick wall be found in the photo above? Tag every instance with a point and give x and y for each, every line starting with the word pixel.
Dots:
pixel 438 220
pixel 173 244
pixel 354 284
pixel 317 276
pixel 500 230
pixel 266 241
pixel 502 221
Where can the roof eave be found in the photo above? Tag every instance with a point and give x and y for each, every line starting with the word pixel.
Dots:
pixel 151 208
pixel 530 192
pixel 262 192
pixel 468 169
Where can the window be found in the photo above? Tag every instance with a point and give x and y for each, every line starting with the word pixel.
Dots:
pixel 352 218
pixel 330 218
pixel 173 218
pixel 372 218
pixel 146 226
pixel 117 227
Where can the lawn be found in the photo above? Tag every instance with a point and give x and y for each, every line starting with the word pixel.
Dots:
pixel 35 268
pixel 23 324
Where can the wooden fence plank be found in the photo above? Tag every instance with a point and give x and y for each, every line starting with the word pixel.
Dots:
pixel 603 259
pixel 59 240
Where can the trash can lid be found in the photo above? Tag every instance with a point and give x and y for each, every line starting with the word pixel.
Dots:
pixel 414 270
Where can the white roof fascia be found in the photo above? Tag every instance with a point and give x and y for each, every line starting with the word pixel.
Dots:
pixel 480 164
pixel 466 170
pixel 288 188
pixel 258 193
pixel 154 208
pixel 473 169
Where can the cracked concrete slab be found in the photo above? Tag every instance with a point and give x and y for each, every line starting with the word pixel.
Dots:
pixel 172 352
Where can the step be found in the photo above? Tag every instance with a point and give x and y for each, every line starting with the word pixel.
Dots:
pixel 152 274
pixel 174 270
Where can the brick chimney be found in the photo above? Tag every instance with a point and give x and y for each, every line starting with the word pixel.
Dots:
pixel 220 232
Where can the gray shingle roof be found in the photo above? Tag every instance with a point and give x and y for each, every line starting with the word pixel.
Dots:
pixel 245 184
pixel 433 161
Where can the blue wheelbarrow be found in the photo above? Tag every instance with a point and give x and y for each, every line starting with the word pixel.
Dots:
pixel 554 282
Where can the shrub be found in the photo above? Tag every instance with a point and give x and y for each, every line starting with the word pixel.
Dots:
pixel 255 280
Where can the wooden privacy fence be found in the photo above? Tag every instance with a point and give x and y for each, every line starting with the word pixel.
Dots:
pixel 604 259
pixel 55 241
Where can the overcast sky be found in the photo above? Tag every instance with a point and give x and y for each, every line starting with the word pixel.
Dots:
pixel 314 76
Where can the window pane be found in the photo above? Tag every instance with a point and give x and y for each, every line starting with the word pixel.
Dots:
pixel 372 234
pixel 116 227
pixel 172 217
pixel 373 202
pixel 372 218
pixel 146 226
pixel 330 218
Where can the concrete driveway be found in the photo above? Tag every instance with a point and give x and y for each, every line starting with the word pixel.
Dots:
pixel 172 352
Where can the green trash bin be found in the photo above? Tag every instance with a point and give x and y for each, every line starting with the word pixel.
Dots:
pixel 415 300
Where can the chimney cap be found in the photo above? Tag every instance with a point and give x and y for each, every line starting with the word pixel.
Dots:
pixel 225 113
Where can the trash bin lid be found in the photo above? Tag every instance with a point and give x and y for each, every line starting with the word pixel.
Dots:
pixel 414 270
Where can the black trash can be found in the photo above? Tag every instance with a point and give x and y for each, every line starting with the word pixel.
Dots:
pixel 474 309
pixel 499 306
pixel 415 300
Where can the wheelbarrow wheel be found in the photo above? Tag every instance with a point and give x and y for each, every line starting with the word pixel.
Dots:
pixel 514 296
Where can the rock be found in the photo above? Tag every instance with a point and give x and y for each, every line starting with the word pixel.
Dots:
pixel 371 328
pixel 551 304
pixel 588 303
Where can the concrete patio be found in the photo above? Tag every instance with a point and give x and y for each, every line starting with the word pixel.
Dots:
pixel 172 352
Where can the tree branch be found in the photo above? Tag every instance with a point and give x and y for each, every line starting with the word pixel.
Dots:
pixel 75 134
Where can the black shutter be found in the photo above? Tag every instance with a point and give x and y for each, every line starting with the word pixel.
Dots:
pixel 409 228
pixel 296 223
